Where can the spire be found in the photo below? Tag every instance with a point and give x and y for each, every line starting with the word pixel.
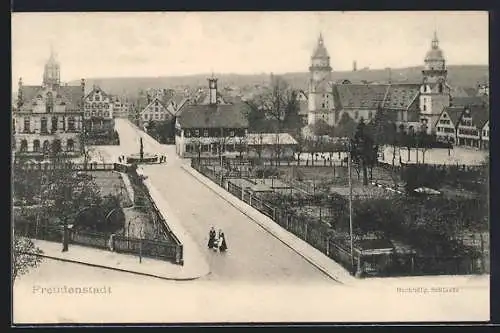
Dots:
pixel 435 41
pixel 320 39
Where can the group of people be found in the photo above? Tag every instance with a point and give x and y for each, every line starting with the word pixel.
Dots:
pixel 162 158
pixel 121 159
pixel 217 242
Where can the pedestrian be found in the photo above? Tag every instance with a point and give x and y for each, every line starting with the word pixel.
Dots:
pixel 222 245
pixel 211 238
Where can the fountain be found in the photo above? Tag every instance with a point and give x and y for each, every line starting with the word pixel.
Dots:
pixel 142 157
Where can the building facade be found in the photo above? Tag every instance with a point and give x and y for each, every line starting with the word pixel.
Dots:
pixel 471 125
pixel 210 128
pixel 48 118
pixel 416 106
pixel 320 100
pixel 98 116
pixel 434 92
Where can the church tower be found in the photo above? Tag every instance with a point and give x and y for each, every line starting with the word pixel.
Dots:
pixel 212 90
pixel 434 92
pixel 51 73
pixel 320 92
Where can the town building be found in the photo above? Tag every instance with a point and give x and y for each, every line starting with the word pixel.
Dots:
pixel 471 125
pixel 48 118
pixel 99 112
pixel 447 124
pixel 160 108
pixel 416 106
pixel 121 107
pixel 485 135
pixel 211 127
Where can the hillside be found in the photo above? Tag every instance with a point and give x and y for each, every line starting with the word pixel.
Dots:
pixel 460 76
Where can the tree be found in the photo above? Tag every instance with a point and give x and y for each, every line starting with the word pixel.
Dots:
pixel 362 150
pixel 321 128
pixel 25 255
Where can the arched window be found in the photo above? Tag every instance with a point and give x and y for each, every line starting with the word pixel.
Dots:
pixel 440 88
pixel 43 125
pixel 24 146
pixel 70 145
pixel 36 146
pixel 71 124
pixel 56 146
pixel 46 146
pixel 54 124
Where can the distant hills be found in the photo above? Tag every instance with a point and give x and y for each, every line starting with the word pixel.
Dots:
pixel 458 76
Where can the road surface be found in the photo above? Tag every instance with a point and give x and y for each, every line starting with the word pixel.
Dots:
pixel 254 255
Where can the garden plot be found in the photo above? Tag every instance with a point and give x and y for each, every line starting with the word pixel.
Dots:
pixel 273 183
pixel 111 183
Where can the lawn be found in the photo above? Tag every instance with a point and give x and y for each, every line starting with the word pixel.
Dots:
pixel 111 183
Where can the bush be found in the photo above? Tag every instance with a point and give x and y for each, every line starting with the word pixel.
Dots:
pixel 266 172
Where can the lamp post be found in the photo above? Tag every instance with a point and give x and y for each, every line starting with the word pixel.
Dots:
pixel 350 203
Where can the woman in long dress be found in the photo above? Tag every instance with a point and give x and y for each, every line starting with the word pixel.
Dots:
pixel 211 238
pixel 222 242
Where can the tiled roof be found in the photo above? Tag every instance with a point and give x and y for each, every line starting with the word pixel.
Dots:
pixel 480 115
pixel 361 95
pixel 371 96
pixel 454 113
pixel 214 116
pixel 97 88
pixel 467 101
pixel 400 96
pixel 71 95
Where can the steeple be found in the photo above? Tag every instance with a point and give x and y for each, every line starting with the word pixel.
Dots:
pixel 212 89
pixel 51 74
pixel 435 41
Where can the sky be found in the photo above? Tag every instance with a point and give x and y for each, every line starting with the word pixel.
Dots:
pixel 90 45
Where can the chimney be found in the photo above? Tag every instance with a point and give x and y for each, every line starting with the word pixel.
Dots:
pixel 212 90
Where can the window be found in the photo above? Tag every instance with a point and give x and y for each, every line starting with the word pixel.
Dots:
pixel 87 114
pixel 97 97
pixel 93 113
pixel 71 124
pixel 157 116
pixel 197 132
pixel 205 133
pixel 156 104
pixel 99 113
pixel 43 125
pixel 46 146
pixel 94 105
pixel 70 145
pixel 100 105
pixel 27 124
pixel 106 105
pixel 87 105
pixel 24 146
pixel 56 146
pixel 162 116
pixel 106 113
pixel 231 133
pixel 440 88
pixel 54 124
pixel 36 146
pixel 424 107
pixel 187 134
pixel 146 116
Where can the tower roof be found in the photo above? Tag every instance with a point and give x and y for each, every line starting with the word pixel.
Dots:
pixel 320 50
pixel 435 53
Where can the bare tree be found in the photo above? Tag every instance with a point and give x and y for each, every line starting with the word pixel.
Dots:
pixel 25 255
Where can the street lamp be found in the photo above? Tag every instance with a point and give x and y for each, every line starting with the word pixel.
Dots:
pixel 350 203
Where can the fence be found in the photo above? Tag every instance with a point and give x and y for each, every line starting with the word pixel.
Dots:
pixel 72 166
pixel 336 247
pixel 104 241
pixel 142 197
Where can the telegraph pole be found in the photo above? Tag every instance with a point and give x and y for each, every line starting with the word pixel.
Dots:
pixel 350 203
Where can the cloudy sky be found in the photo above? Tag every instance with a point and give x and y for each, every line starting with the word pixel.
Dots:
pixel 162 44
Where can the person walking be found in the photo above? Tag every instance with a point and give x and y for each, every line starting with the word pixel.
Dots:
pixel 222 245
pixel 212 241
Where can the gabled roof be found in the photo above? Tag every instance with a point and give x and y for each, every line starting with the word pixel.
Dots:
pixel 480 115
pixel 70 95
pixel 361 95
pixel 96 88
pixel 454 113
pixel 400 96
pixel 214 116
pixel 163 103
